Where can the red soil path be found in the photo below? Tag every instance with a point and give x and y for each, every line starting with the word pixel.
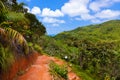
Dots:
pixel 40 70
pixel 20 64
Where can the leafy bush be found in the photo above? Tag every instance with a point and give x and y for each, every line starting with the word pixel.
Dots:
pixel 95 48
pixel 81 73
pixel 3 12
pixel 35 47
pixel 57 70
pixel 6 58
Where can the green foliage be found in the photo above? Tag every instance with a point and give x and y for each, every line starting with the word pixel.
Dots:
pixel 18 7
pixel 95 48
pixel 14 15
pixel 98 47
pixel 105 31
pixel 3 12
pixel 38 48
pixel 81 73
pixel 57 70
pixel 98 58
pixel 36 27
pixel 16 28
pixel 6 58
pixel 14 39
pixel 17 17
pixel 35 47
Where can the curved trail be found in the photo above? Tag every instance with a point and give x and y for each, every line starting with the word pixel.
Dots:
pixel 40 70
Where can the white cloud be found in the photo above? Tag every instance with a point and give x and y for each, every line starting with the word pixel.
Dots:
pixel 87 17
pixel 48 15
pixel 96 21
pixel 80 10
pixel 52 20
pixel 108 14
pixel 95 11
pixel 105 15
pixel 47 12
pixel 55 24
pixel 36 10
pixel 75 7
pixel 116 0
pixel 78 18
pixel 98 4
pixel 101 16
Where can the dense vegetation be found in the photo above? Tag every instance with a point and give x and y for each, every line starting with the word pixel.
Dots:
pixel 95 49
pixel 18 32
pixel 59 72
pixel 92 50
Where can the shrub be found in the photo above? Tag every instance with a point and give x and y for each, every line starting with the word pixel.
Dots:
pixel 35 47
pixel 6 58
pixel 57 70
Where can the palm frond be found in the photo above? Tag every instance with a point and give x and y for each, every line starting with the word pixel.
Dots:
pixel 3 11
pixel 2 31
pixel 14 39
pixel 2 6
pixel 3 37
pixel 17 39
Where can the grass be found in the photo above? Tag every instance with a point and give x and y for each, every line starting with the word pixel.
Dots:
pixel 81 73
pixel 12 16
pixel 58 72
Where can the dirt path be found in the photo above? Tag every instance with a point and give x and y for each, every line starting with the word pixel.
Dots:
pixel 40 70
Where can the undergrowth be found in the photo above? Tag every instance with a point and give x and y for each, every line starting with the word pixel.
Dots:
pixel 81 73
pixel 58 72
pixel 6 58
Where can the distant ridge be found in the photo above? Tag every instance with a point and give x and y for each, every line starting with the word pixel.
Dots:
pixel 52 35
pixel 109 30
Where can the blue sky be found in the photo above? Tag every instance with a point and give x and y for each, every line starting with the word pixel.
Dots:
pixel 63 15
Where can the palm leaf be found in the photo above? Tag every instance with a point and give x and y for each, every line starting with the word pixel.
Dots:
pixel 14 39
pixel 2 6
pixel 17 39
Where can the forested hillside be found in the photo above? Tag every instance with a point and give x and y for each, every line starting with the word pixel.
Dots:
pixel 106 31
pixel 92 51
pixel 94 48
pixel 18 32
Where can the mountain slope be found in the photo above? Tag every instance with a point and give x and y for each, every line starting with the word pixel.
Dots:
pixel 105 31
pixel 94 48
